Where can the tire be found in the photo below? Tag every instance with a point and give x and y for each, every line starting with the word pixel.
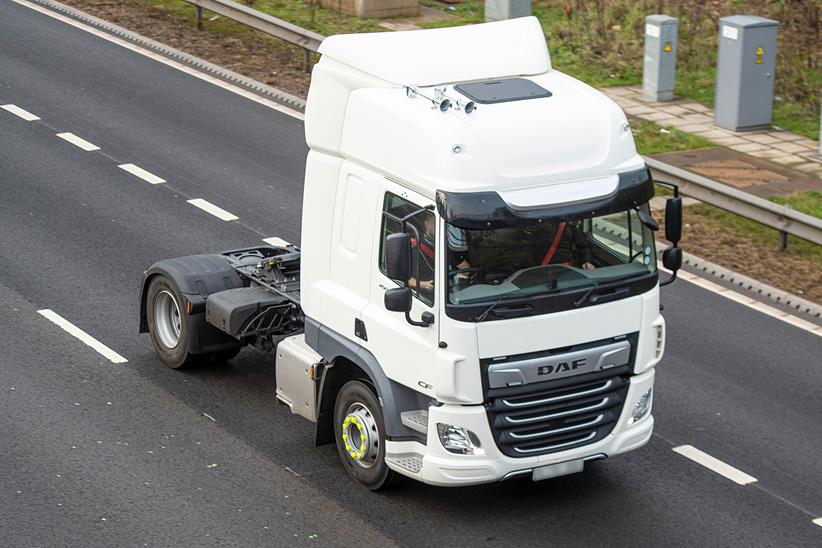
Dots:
pixel 358 414
pixel 167 325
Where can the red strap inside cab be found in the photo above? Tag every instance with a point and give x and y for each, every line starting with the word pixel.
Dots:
pixel 554 245
pixel 425 248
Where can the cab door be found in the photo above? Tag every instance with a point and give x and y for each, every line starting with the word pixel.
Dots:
pixel 405 352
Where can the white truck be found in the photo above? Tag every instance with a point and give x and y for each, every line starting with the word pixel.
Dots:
pixel 476 295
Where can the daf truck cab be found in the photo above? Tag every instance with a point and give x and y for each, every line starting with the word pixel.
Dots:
pixel 476 293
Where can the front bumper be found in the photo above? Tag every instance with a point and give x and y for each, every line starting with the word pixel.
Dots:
pixel 433 464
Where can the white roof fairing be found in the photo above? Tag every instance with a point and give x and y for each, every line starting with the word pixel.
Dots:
pixel 565 147
pixel 459 54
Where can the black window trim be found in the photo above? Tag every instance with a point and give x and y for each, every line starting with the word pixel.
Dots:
pixel 404 223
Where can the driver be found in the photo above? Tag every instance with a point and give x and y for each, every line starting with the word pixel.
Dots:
pixel 425 250
pixel 457 244
pixel 567 246
pixel 501 252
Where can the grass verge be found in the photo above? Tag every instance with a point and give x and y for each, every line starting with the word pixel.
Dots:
pixel 602 42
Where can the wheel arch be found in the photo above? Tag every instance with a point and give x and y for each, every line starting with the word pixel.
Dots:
pixel 349 361
pixel 194 277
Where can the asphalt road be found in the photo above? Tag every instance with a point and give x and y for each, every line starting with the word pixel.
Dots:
pixel 95 453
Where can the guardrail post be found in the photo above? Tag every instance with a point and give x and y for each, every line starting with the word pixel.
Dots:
pixel 307 61
pixel 199 12
pixel 783 240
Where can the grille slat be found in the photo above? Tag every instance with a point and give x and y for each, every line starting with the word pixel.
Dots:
pixel 540 420
pixel 544 433
pixel 575 395
pixel 555 446
pixel 601 404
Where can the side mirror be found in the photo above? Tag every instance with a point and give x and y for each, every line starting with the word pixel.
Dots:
pixel 673 220
pixel 398 299
pixel 672 258
pixel 398 259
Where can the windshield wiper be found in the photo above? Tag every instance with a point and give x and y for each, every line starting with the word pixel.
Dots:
pixel 585 297
pixel 488 310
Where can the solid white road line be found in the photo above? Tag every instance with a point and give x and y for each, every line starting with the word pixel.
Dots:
pixel 714 464
pixel 84 337
pixel 77 141
pixel 17 111
pixel 159 58
pixel 818 521
pixel 748 301
pixel 208 207
pixel 276 242
pixel 142 174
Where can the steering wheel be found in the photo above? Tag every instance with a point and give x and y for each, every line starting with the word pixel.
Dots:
pixel 470 271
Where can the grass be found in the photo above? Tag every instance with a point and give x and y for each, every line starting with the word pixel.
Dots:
pixel 809 203
pixel 298 12
pixel 601 43
pixel 759 234
pixel 651 138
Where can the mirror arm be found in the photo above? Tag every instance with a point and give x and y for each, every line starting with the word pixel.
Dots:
pixel 414 322
pixel 672 186
pixel 669 280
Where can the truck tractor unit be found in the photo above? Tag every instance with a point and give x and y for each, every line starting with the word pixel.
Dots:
pixel 475 296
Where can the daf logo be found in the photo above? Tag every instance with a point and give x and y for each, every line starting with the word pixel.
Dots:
pixel 562 367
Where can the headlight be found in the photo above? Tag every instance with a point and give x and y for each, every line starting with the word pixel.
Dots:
pixel 458 440
pixel 642 407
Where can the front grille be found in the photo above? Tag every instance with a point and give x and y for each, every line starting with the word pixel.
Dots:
pixel 538 419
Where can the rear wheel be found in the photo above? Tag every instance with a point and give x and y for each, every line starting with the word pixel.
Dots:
pixel 359 432
pixel 168 327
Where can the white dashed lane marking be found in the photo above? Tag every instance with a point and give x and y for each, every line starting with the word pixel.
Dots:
pixel 142 174
pixel 818 521
pixel 276 242
pixel 78 142
pixel 208 207
pixel 17 111
pixel 714 464
pixel 84 337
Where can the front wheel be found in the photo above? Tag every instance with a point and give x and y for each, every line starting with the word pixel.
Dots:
pixel 359 432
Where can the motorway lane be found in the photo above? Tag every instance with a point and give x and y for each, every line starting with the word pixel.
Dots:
pixel 183 127
pixel 651 496
pixel 746 388
pixel 95 455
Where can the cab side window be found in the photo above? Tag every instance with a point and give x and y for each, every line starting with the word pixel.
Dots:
pixel 421 229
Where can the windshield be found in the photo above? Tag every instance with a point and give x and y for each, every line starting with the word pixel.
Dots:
pixel 547 256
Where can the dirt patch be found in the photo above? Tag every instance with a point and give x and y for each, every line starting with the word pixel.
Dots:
pixel 791 270
pixel 242 50
pixel 280 65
